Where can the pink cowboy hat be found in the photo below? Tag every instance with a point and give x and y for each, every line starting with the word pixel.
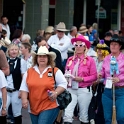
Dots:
pixel 81 38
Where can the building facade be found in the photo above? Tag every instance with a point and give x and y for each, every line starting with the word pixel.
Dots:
pixel 31 15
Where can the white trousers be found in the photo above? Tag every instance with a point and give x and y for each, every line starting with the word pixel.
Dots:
pixel 82 96
pixel 16 103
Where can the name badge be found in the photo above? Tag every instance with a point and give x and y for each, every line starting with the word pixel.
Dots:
pixel 108 83
pixel 74 85
pixel 50 74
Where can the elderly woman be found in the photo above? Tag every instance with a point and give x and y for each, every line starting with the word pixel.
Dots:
pixel 116 79
pixel 37 81
pixel 17 69
pixel 83 72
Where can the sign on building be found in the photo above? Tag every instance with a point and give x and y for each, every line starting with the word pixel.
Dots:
pixel 101 13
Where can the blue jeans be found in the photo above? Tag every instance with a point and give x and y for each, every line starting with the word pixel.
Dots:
pixel 45 117
pixel 107 102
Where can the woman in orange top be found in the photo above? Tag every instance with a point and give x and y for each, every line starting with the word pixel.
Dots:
pixel 37 81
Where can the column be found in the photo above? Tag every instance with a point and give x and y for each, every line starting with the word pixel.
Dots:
pixel 119 15
pixel 1 7
pixel 44 13
pixel 64 12
pixel 32 17
pixel 84 12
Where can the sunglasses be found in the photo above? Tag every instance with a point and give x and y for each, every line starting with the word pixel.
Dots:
pixel 61 31
pixel 114 39
pixel 79 45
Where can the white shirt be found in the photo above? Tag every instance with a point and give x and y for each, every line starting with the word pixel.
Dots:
pixel 29 61
pixel 54 42
pixel 23 70
pixel 71 45
pixel 59 78
pixel 6 27
pixel 3 82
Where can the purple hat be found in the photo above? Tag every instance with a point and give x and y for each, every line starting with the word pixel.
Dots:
pixel 82 39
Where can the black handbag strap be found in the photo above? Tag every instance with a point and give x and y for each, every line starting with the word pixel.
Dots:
pixel 54 76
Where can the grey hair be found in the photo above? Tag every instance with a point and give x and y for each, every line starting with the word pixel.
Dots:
pixel 25 37
pixel 72 28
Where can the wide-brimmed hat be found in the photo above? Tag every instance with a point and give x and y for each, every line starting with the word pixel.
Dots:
pixel 83 29
pixel 49 29
pixel 82 39
pixel 116 38
pixel 44 51
pixel 102 45
pixel 61 27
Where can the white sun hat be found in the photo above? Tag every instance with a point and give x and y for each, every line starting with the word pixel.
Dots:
pixel 44 51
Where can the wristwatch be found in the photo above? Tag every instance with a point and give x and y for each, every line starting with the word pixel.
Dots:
pixel 4 109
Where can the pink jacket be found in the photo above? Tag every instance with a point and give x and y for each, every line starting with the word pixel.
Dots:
pixel 106 69
pixel 87 71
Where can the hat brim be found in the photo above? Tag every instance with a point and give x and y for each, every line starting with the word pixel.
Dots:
pixel 62 30
pixel 52 54
pixel 87 43
pixel 118 41
pixel 102 48
pixel 84 31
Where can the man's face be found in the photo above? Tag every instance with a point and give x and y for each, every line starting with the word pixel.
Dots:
pixel 4 20
pixel 60 34
pixel 42 43
pixel 108 38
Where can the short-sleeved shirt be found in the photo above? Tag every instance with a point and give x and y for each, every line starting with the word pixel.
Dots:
pixel 37 84
pixel 3 82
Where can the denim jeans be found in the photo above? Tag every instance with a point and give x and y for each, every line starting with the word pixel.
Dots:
pixel 107 102
pixel 45 117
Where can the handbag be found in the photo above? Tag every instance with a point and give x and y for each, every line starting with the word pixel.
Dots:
pixel 64 98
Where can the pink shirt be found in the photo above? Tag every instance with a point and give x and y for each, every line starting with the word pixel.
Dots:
pixel 106 69
pixel 87 71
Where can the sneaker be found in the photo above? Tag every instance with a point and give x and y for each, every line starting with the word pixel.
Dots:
pixel 92 121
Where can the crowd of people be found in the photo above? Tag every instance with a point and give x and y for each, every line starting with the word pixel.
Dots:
pixel 85 65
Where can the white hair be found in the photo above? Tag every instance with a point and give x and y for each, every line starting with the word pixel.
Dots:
pixel 25 37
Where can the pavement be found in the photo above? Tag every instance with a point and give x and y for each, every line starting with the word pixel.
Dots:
pixel 26 118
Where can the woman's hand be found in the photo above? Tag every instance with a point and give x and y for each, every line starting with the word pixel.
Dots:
pixel 3 112
pixel 115 79
pixel 99 76
pixel 78 79
pixel 53 95
pixel 19 95
pixel 25 103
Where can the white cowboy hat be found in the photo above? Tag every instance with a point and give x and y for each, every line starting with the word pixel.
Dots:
pixel 61 27
pixel 44 51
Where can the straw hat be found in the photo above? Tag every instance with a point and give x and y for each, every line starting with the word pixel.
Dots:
pixel 83 29
pixel 44 51
pixel 61 27
pixel 49 29
pixel 82 39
